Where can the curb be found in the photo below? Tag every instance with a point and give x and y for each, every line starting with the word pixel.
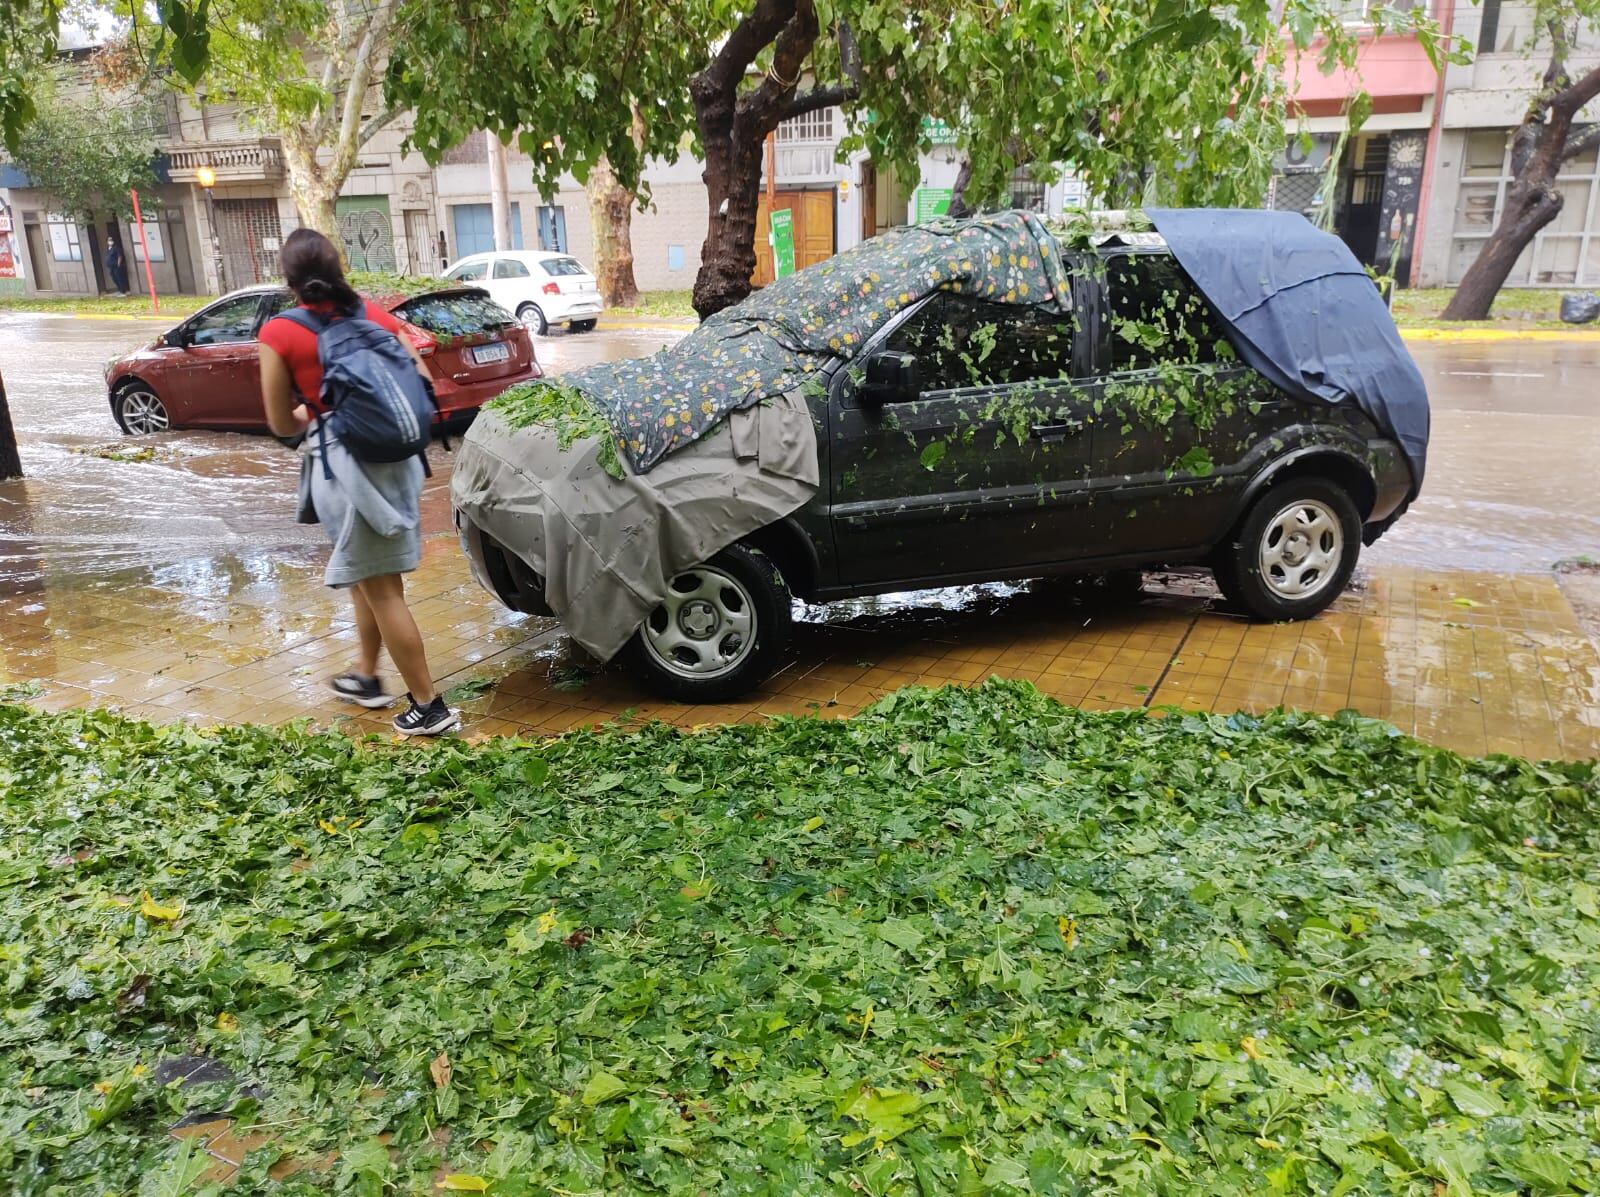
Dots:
pixel 1468 335
pixel 646 326
pixel 118 316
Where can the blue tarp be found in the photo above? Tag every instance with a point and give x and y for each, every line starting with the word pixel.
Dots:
pixel 1302 311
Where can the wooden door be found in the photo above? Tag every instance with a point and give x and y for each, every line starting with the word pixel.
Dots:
pixel 813 231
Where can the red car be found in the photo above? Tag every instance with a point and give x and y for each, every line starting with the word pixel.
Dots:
pixel 206 372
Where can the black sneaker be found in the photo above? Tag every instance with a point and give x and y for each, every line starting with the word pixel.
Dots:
pixel 430 720
pixel 363 691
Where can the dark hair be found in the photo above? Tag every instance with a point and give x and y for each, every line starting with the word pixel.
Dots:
pixel 315 273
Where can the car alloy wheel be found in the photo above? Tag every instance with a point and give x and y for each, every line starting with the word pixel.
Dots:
pixel 533 317
pixel 1293 551
pixel 1301 550
pixel 705 627
pixel 141 412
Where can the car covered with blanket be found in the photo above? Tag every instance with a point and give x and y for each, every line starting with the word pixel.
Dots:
pixel 955 402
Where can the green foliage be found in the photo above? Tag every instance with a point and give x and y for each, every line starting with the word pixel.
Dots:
pixel 86 148
pixel 384 283
pixel 566 411
pixel 971 942
pixel 1191 96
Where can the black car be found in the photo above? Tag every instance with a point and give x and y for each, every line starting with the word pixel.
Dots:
pixel 973 441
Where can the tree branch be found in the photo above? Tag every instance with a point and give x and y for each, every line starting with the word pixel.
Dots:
pixel 373 41
pixel 1576 95
pixel 1580 144
pixel 816 99
pixel 749 38
pixel 372 127
pixel 826 97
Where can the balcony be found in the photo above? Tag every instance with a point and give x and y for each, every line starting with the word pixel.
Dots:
pixel 257 160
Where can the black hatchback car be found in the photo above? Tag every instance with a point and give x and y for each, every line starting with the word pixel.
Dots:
pixel 972 441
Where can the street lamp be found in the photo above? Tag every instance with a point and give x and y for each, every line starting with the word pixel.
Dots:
pixel 207 178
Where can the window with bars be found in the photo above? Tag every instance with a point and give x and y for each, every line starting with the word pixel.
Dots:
pixel 812 126
pixel 1027 192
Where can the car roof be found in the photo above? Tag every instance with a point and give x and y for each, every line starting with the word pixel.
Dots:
pixel 526 255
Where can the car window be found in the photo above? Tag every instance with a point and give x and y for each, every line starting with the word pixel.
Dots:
pixel 279 302
pixel 561 266
pixel 960 342
pixel 510 268
pixel 1158 316
pixel 455 315
pixel 470 272
pixel 230 322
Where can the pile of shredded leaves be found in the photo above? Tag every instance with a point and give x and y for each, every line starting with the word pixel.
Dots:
pixel 565 411
pixel 970 942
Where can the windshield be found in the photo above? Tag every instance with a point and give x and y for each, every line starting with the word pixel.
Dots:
pixel 563 266
pixel 454 314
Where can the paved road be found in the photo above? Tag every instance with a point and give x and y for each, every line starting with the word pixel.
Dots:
pixel 1515 446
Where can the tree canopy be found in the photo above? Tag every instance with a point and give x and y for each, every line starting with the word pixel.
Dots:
pixel 1191 96
pixel 87 148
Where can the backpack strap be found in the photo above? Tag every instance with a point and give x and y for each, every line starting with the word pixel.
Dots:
pixel 315 323
pixel 312 322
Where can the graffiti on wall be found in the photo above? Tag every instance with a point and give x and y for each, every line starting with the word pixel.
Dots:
pixel 368 236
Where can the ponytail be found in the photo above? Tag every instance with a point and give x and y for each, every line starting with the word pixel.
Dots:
pixel 315 273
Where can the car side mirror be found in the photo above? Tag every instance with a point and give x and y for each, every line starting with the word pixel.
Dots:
pixel 177 338
pixel 892 377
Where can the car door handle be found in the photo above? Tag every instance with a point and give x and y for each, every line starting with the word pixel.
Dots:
pixel 1057 432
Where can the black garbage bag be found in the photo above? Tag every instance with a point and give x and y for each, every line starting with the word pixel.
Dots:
pixel 1581 308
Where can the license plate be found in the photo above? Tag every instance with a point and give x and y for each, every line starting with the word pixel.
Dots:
pixel 485 354
pixel 586 286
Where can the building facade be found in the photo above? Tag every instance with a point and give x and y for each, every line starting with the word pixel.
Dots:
pixel 1483 104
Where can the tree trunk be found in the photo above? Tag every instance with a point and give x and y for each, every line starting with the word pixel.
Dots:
pixel 10 461
pixel 499 197
pixel 728 258
pixel 1532 202
pixel 314 191
pixel 611 221
pixel 1488 273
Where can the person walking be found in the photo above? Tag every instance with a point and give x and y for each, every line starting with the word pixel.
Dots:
pixel 370 509
pixel 116 265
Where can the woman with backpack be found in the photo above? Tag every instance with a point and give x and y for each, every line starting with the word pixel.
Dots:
pixel 337 370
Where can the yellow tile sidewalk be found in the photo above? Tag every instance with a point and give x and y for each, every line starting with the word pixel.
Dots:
pixel 1476 662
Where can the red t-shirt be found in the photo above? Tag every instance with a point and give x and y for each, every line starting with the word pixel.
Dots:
pixel 297 346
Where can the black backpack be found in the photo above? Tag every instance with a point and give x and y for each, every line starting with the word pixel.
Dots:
pixel 372 397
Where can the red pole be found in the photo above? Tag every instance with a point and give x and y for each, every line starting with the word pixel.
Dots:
pixel 144 251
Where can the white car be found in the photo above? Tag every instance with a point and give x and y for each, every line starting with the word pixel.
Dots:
pixel 541 288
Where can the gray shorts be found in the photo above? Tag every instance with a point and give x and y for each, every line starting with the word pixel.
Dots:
pixel 359 550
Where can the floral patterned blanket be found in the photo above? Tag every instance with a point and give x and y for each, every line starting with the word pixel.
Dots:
pixel 784 335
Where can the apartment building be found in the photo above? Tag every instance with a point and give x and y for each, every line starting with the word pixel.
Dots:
pixel 1483 104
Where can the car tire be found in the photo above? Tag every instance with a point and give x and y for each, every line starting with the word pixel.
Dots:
pixel 584 325
pixel 531 315
pixel 1293 552
pixel 719 633
pixel 138 410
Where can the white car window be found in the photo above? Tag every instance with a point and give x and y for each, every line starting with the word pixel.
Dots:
pixel 470 272
pixel 510 268
pixel 561 266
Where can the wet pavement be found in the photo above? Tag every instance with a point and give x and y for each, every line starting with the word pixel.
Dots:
pixel 180 587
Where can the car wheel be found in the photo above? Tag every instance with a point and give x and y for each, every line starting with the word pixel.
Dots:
pixel 584 325
pixel 139 411
pixel 1293 552
pixel 719 632
pixel 530 315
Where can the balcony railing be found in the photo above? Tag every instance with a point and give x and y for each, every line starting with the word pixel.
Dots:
pixel 259 160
